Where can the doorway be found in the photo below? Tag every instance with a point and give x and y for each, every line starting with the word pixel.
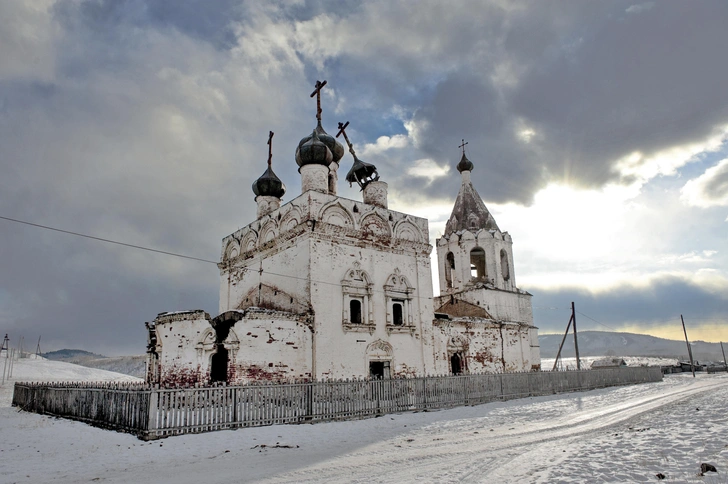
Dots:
pixel 379 370
pixel 456 364
pixel 219 365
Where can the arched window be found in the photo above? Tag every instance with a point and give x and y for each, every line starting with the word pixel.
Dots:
pixel 449 266
pixel 356 291
pixel 505 269
pixel 397 318
pixel 355 311
pixel 398 296
pixel 477 264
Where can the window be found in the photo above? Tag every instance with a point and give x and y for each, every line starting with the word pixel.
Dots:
pixel 478 269
pixel 397 306
pixel 449 267
pixel 505 270
pixel 356 300
pixel 355 311
pixel 398 294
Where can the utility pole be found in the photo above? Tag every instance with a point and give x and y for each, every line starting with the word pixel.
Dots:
pixel 566 333
pixel 725 363
pixel 690 351
pixel 576 343
pixel 37 349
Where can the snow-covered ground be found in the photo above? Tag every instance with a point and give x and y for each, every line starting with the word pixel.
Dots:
pixel 624 434
pixel 570 363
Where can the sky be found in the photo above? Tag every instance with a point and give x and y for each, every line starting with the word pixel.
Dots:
pixel 598 131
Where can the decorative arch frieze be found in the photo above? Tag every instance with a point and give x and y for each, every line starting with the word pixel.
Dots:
pixel 290 220
pixel 232 249
pixel 249 241
pixel 337 214
pixel 404 229
pixel 268 232
pixel 373 224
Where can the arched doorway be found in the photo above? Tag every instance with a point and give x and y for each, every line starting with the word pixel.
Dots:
pixel 219 365
pixel 456 364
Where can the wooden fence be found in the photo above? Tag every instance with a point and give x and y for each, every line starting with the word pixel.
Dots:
pixel 153 413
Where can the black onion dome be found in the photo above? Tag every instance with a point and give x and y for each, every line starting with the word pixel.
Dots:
pixel 313 152
pixel 465 164
pixel 336 148
pixel 362 173
pixel 269 185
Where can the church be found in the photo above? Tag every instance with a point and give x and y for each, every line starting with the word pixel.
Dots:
pixel 324 287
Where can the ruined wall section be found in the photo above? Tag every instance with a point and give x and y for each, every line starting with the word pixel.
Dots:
pixel 503 306
pixel 274 346
pixel 179 347
pixel 486 346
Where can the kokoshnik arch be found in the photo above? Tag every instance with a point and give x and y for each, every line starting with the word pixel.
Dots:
pixel 326 287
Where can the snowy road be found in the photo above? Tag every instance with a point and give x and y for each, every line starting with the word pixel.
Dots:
pixel 625 434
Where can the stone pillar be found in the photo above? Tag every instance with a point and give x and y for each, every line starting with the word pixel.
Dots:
pixel 333 177
pixel 375 193
pixel 267 204
pixel 314 177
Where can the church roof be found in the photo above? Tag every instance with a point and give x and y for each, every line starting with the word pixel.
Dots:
pixel 469 212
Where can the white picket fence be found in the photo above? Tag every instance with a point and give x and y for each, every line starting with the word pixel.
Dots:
pixel 152 413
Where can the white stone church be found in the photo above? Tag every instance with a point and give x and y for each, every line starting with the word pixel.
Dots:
pixel 325 287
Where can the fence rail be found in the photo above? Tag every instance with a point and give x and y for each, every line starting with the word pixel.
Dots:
pixel 153 413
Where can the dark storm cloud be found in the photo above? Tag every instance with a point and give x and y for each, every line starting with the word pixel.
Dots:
pixel 594 83
pixel 201 19
pixel 717 186
pixel 146 122
pixel 652 307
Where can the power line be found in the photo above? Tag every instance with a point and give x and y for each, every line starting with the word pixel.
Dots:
pixel 589 317
pixel 107 240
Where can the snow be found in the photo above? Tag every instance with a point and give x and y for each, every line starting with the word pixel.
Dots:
pixel 586 361
pixel 622 434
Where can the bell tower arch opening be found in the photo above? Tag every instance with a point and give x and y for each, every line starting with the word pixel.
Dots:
pixel 478 270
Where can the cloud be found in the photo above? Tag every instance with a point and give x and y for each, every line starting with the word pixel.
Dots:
pixel 147 122
pixel 652 308
pixel 709 189
pixel 640 8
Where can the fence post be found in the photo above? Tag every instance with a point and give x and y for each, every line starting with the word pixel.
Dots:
pixel 152 422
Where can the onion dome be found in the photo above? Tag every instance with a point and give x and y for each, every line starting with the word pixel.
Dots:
pixel 269 185
pixel 362 173
pixel 336 148
pixel 311 151
pixel 465 164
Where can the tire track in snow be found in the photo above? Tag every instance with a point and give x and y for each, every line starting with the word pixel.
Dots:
pixel 463 451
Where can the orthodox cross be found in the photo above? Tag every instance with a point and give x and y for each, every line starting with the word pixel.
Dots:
pixel 342 128
pixel 463 146
pixel 270 147
pixel 317 92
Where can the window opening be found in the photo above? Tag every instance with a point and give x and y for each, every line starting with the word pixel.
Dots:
pixel 397 313
pixel 504 265
pixel 449 266
pixel 477 264
pixel 355 311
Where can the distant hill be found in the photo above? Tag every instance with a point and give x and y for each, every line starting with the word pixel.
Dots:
pixel 128 365
pixel 603 343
